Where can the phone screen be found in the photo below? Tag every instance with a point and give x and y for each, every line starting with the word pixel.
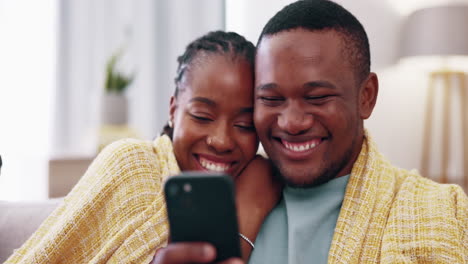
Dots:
pixel 201 207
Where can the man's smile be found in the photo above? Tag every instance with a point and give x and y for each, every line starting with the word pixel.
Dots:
pixel 301 146
pixel 298 149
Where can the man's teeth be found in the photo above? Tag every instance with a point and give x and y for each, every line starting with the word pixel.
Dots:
pixel 300 147
pixel 209 165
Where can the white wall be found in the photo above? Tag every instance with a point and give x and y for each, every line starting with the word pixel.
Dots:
pixel 27 83
pixel 52 59
pixel 154 34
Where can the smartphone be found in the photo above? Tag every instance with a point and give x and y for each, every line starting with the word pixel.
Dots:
pixel 201 207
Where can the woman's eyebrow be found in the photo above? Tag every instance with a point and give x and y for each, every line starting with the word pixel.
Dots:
pixel 203 100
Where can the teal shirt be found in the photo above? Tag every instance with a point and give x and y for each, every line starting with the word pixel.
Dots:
pixel 300 229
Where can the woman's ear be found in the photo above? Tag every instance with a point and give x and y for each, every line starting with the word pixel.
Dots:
pixel 172 108
pixel 368 95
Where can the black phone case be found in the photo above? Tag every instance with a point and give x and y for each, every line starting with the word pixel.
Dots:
pixel 205 211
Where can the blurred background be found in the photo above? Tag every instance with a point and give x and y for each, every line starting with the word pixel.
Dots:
pixel 78 74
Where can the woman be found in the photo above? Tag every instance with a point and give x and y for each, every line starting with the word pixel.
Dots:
pixel 116 213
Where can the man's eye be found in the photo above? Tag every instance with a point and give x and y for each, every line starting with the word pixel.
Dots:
pixel 317 100
pixel 271 98
pixel 316 97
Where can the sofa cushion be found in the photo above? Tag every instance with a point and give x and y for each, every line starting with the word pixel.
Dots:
pixel 18 220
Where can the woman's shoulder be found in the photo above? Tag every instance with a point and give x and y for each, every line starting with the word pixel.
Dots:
pixel 125 157
pixel 128 145
pixel 131 149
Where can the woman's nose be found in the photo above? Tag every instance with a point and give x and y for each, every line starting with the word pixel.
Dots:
pixel 221 139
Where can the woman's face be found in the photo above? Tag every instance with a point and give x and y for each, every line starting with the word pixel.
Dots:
pixel 212 116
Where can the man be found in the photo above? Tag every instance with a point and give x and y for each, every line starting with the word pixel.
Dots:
pixel 344 202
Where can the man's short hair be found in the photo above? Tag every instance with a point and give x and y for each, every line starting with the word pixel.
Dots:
pixel 316 15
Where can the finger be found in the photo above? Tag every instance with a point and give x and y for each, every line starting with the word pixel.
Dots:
pixel 185 252
pixel 232 261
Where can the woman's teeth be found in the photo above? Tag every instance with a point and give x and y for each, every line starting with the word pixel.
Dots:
pixel 214 166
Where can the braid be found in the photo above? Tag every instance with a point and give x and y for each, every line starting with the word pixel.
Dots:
pixel 214 42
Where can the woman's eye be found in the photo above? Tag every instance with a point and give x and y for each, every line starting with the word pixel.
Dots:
pixel 201 118
pixel 246 127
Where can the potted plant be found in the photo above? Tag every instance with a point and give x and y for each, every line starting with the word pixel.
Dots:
pixel 115 105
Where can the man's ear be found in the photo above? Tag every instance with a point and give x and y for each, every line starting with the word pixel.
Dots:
pixel 368 95
pixel 172 108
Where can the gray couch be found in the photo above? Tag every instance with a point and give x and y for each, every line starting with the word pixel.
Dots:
pixel 18 220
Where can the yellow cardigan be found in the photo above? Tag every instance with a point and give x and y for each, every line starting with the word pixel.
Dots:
pixel 391 215
pixel 116 213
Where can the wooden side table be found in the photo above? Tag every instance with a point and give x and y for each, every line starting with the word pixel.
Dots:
pixel 64 173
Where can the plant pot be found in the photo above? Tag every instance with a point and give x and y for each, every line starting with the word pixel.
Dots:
pixel 114 109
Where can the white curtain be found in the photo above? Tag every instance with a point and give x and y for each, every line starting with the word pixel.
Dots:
pixel 27 82
pixel 152 33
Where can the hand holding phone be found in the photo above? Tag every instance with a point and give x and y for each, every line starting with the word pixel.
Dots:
pixel 201 208
pixel 189 252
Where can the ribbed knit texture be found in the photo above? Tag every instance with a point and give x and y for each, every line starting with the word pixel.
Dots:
pixel 116 213
pixel 391 215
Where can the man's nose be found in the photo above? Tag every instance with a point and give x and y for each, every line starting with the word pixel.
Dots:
pixel 294 120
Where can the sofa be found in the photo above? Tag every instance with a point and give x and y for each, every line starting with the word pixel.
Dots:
pixel 18 220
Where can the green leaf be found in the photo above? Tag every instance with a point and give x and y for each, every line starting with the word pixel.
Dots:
pixel 116 81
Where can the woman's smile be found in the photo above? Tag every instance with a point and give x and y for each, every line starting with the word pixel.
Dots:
pixel 213 163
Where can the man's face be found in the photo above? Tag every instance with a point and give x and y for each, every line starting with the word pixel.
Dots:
pixel 307 105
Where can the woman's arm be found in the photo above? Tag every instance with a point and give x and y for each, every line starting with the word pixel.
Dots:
pixel 117 195
pixel 257 193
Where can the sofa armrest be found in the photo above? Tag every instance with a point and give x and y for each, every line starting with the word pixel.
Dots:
pixel 18 220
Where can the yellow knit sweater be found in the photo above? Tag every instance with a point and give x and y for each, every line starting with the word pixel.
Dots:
pixel 391 215
pixel 116 213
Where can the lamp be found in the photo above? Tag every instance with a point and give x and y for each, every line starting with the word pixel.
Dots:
pixel 441 31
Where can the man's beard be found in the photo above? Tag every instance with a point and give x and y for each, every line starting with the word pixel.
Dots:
pixel 307 179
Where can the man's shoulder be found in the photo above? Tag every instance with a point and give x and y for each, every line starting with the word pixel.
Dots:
pixel 412 183
pixel 417 196
pixel 423 211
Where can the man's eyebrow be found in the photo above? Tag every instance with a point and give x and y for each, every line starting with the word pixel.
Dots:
pixel 203 100
pixel 267 86
pixel 316 84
